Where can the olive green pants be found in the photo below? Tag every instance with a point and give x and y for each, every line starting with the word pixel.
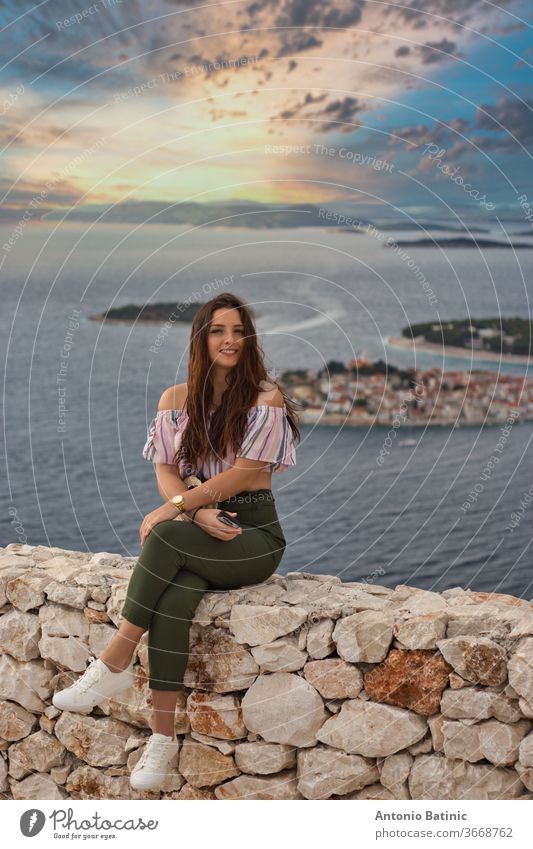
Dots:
pixel 179 562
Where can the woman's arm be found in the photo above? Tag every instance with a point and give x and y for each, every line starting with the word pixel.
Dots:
pixel 169 482
pixel 221 486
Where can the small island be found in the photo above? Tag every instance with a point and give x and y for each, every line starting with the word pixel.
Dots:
pixel 491 335
pixel 456 242
pixel 151 312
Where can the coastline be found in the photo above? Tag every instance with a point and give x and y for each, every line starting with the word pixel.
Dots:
pixel 104 320
pixel 425 347
pixel 343 420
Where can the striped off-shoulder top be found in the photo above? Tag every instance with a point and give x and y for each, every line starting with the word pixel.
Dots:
pixel 268 437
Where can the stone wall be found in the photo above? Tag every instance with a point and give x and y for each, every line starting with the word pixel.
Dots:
pixel 303 687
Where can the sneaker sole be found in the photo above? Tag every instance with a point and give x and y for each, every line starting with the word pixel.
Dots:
pixel 86 710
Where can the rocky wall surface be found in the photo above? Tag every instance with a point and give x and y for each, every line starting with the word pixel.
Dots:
pixel 302 687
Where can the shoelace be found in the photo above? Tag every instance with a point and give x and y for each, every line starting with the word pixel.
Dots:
pixel 154 755
pixel 89 676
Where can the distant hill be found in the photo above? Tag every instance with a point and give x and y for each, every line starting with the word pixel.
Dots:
pixel 150 312
pixel 458 242
pixel 505 335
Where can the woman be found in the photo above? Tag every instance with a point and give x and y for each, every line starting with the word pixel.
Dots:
pixel 232 427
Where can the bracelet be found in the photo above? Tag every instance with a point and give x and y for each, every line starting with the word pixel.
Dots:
pixel 195 512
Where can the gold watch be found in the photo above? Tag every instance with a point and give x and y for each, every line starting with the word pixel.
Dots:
pixel 178 502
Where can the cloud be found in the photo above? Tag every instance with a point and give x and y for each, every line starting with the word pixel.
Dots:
pixel 456 13
pixel 296 109
pixel 516 118
pixel 338 112
pixel 342 110
pixel 297 42
pixel 305 13
pixel 436 51
pixel 508 123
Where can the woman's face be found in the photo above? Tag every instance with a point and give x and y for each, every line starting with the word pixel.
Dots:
pixel 225 338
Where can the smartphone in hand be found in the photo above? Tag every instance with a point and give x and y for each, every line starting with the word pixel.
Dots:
pixel 226 519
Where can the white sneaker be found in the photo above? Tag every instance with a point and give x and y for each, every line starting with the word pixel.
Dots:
pixel 155 764
pixel 97 683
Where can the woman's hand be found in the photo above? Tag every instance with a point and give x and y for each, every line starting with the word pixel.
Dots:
pixel 160 514
pixel 206 518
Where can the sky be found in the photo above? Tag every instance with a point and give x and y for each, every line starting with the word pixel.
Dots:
pixel 417 107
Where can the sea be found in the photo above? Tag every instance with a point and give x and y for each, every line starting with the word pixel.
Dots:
pixel 78 394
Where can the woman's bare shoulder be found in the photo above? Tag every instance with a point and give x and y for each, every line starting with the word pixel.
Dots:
pixel 173 398
pixel 270 394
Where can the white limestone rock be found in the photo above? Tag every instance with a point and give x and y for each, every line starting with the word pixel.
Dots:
pixel 217 662
pixel 500 741
pixel 418 602
pixel 364 637
pixel 525 751
pixel 205 766
pixel 520 669
pixel 477 659
pixel 15 721
pixel 26 592
pixel 324 772
pixel 62 568
pixel 319 639
pixel 283 785
pixel 58 621
pixel 334 678
pixel 436 777
pixel 371 729
pixel 100 635
pixel 262 758
pixel 421 632
pixel 258 623
pixel 67 652
pixel 37 786
pixel 478 703
pixel 37 753
pixel 27 683
pixel 216 715
pixel 461 741
pixel 284 708
pixel 96 741
pixel 282 655
pixel 394 770
pixel 20 634
pixel 64 593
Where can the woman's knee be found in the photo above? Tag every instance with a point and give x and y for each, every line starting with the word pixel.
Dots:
pixel 162 544
pixel 181 598
pixel 164 532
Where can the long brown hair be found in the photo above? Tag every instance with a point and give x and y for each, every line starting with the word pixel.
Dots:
pixel 228 421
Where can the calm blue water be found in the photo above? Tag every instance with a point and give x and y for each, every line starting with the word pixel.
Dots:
pixel 318 296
